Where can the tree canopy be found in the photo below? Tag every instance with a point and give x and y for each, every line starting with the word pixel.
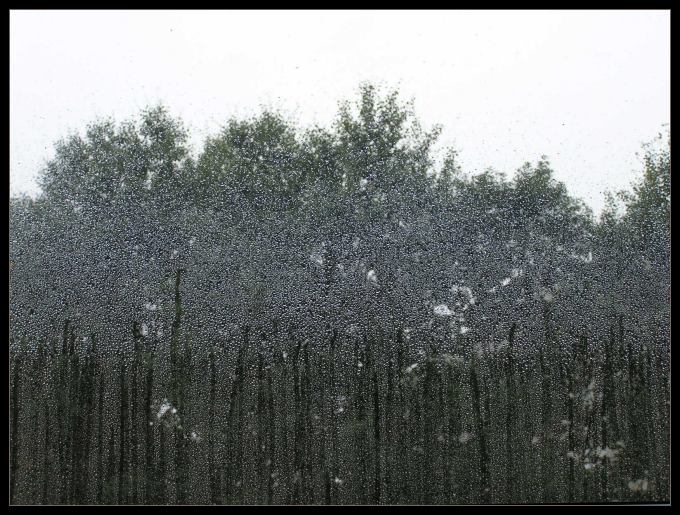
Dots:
pixel 292 293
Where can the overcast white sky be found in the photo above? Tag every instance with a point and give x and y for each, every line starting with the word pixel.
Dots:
pixel 584 88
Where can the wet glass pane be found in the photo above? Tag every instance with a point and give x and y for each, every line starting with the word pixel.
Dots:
pixel 349 257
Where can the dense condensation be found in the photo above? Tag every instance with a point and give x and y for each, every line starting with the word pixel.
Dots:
pixel 329 316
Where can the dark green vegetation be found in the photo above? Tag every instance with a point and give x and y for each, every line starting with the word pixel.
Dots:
pixel 326 316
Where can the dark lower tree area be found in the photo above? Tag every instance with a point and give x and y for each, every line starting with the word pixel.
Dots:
pixel 332 316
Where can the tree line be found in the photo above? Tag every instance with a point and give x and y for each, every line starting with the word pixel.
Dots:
pixel 330 315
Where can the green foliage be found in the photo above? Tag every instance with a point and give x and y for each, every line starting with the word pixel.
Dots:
pixel 113 166
pixel 648 208
pixel 252 160
pixel 343 306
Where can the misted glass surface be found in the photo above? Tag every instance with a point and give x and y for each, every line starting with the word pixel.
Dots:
pixel 217 298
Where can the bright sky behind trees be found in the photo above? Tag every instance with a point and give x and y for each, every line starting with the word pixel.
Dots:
pixel 586 89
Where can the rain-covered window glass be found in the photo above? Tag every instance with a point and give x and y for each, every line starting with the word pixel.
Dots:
pixel 339 257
